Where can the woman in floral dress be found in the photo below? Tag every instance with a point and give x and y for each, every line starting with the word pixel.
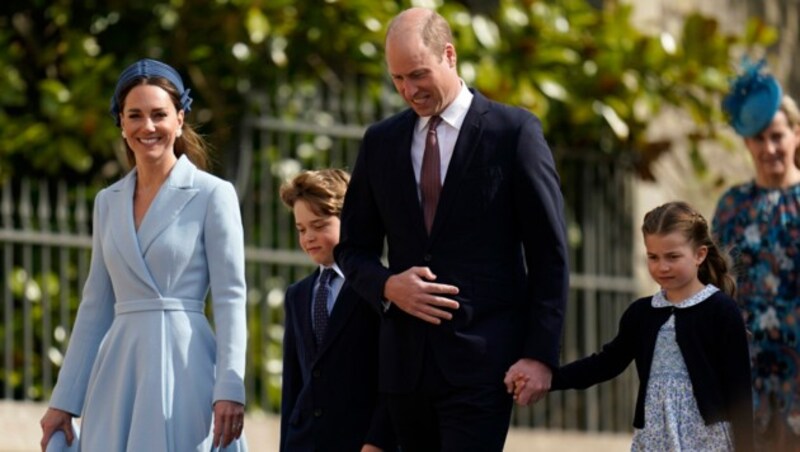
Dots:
pixel 758 223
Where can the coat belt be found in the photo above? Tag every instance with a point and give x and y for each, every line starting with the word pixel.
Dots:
pixel 158 304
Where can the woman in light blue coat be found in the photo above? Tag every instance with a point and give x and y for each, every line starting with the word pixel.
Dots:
pixel 143 367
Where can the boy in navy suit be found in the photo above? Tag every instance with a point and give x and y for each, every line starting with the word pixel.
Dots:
pixel 330 396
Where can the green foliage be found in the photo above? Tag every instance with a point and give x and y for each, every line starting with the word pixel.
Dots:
pixel 61 60
pixel 595 79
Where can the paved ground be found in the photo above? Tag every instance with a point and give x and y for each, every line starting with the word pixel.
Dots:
pixel 19 432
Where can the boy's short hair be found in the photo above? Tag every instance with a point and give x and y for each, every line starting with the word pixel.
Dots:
pixel 323 190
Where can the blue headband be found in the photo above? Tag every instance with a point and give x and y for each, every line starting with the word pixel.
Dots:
pixel 147 68
pixel 753 100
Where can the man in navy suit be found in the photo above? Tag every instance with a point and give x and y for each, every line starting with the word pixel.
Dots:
pixel 472 214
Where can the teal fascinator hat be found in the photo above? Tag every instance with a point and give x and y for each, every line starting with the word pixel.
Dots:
pixel 753 100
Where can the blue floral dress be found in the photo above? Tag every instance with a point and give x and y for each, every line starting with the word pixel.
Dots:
pixel 760 228
pixel 672 421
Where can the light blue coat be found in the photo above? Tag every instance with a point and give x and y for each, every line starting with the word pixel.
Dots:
pixel 143 366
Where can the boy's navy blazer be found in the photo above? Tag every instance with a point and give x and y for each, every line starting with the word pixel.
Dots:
pixel 330 393
pixel 498 235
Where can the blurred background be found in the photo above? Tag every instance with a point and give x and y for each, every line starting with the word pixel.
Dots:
pixel 628 93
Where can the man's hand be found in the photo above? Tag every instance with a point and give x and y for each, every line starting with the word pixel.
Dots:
pixel 529 380
pixel 412 292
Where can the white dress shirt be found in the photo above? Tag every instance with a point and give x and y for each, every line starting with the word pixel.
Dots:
pixel 447 134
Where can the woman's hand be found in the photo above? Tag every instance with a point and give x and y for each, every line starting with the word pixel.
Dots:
pixel 53 421
pixel 228 422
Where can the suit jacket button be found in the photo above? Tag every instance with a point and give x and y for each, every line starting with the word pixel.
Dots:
pixel 317 412
pixel 427 258
pixel 316 373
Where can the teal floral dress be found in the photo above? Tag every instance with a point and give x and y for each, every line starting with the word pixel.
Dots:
pixel 760 228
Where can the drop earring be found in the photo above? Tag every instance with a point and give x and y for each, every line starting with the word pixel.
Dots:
pixel 124 136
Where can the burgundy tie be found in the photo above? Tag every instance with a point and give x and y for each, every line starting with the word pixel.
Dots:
pixel 430 175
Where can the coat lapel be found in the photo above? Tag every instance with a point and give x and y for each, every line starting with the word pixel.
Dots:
pixel 468 140
pixel 173 196
pixel 120 216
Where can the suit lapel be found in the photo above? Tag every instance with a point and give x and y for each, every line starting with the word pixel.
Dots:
pixel 303 307
pixel 345 303
pixel 468 140
pixel 407 182
pixel 173 196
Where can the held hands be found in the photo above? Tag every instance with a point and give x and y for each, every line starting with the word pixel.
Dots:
pixel 528 380
pixel 412 292
pixel 228 422
pixel 370 448
pixel 53 421
pixel 519 381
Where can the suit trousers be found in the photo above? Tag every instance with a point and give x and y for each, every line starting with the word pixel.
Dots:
pixel 441 417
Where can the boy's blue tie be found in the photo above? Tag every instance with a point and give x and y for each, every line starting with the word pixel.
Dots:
pixel 321 304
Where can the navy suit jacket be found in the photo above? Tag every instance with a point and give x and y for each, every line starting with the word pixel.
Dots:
pixel 498 235
pixel 330 393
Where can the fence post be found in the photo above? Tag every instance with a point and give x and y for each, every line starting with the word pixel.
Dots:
pixel 6 210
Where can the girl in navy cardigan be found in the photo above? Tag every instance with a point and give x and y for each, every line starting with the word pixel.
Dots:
pixel 688 340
